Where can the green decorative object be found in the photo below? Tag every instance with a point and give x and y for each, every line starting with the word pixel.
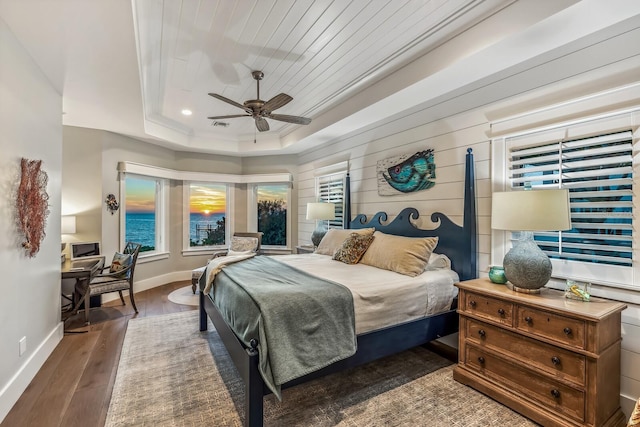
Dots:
pixel 496 275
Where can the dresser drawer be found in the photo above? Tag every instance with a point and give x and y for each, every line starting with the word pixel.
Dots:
pixel 542 357
pixel 564 330
pixel 552 395
pixel 489 308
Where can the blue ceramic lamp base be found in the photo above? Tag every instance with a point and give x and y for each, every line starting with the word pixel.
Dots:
pixel 526 266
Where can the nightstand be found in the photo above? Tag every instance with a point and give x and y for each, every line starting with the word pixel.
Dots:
pixel 304 249
pixel 553 359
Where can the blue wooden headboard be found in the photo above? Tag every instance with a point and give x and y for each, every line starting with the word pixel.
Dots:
pixel 459 243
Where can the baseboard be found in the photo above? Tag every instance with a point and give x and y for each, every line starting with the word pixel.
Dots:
pixel 627 404
pixel 10 394
pixel 152 282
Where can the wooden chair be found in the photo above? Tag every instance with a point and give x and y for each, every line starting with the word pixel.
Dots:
pixel 198 272
pixel 111 281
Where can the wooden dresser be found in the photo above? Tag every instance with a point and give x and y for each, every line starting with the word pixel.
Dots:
pixel 552 359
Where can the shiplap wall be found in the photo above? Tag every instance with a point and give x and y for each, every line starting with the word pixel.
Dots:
pixel 450 138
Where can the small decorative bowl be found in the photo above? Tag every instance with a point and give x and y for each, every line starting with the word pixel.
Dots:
pixel 496 275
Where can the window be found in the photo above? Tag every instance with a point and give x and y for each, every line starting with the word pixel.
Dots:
pixel 330 188
pixel 599 175
pixel 593 159
pixel 144 212
pixel 207 213
pixel 271 214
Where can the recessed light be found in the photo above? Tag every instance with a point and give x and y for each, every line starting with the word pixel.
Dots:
pixel 187 112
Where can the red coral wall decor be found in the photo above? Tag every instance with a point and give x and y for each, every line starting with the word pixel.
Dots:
pixel 32 204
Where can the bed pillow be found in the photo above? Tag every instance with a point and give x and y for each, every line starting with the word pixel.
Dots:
pixel 120 262
pixel 404 255
pixel 243 244
pixel 438 262
pixel 332 241
pixel 353 248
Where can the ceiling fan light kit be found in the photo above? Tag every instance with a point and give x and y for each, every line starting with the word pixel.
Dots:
pixel 259 109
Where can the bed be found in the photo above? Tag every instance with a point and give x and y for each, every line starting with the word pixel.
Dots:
pixel 458 243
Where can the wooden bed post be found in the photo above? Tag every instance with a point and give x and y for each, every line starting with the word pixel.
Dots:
pixel 253 390
pixel 469 222
pixel 346 211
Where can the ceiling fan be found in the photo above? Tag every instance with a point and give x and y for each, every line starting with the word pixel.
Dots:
pixel 259 109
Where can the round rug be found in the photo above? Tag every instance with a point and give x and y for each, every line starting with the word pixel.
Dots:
pixel 184 296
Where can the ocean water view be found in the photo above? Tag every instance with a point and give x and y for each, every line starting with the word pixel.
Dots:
pixel 140 227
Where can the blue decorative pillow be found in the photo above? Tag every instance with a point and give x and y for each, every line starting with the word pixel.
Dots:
pixel 120 262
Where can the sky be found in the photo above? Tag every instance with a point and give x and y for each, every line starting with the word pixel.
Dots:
pixel 208 199
pixel 204 198
pixel 141 195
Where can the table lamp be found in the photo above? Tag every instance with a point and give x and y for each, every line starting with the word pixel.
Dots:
pixel 527 268
pixel 67 226
pixel 321 212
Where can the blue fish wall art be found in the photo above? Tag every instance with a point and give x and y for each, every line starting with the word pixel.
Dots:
pixel 406 174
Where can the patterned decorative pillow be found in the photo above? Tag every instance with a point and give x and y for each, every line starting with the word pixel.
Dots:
pixel 332 241
pixel 353 248
pixel 243 244
pixel 119 263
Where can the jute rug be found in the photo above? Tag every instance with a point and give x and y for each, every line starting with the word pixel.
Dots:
pixel 170 374
pixel 184 296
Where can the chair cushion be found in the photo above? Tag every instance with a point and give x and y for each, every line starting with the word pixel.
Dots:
pixel 243 244
pixel 120 262
pixel 101 285
pixel 197 273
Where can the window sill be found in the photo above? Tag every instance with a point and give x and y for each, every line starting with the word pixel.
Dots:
pixel 157 256
pixel 201 252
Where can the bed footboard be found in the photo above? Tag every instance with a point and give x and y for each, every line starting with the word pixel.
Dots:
pixel 245 359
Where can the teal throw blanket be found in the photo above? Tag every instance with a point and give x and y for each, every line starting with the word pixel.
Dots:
pixel 302 322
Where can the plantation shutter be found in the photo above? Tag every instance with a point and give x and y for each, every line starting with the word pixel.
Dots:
pixel 330 188
pixel 599 175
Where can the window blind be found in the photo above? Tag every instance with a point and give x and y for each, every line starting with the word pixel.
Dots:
pixel 599 175
pixel 330 188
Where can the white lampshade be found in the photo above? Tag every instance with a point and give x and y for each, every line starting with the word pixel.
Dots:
pixel 321 211
pixel 531 210
pixel 526 267
pixel 68 225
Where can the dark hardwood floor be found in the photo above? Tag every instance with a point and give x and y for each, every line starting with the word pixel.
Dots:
pixel 73 387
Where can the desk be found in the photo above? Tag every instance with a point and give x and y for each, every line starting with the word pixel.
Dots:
pixel 82 270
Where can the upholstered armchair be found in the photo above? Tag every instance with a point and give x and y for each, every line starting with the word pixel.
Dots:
pixel 116 277
pixel 240 242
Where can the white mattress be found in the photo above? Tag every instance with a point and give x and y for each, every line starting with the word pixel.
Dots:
pixel 383 298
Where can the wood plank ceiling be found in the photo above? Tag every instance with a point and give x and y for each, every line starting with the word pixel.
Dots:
pixel 319 52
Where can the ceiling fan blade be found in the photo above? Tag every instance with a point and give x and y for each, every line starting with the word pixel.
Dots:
pixel 276 102
pixel 262 124
pixel 290 119
pixel 227 100
pixel 228 117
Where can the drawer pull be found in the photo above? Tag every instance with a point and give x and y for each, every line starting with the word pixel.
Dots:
pixel 472 303
pixel 528 319
pixel 555 393
pixel 482 333
pixel 501 311
pixel 555 360
pixel 481 360
pixel 567 331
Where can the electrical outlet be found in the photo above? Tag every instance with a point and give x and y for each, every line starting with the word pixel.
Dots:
pixel 23 345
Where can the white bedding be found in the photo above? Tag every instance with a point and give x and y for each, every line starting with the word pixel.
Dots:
pixel 383 298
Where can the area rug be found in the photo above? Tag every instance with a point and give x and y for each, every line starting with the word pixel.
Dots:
pixel 184 296
pixel 170 374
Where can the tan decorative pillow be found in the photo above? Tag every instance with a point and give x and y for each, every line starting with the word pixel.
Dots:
pixel 332 241
pixel 404 255
pixel 353 248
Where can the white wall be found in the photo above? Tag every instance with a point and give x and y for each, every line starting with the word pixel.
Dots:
pixel 31 124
